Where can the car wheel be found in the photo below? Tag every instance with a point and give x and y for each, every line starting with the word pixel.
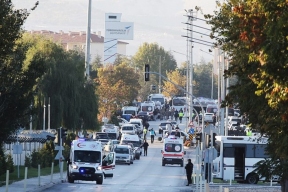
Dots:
pixel 163 164
pixel 70 180
pixel 99 181
pixel 181 164
pixel 252 178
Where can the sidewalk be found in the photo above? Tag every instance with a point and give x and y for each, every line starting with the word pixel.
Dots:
pixel 32 184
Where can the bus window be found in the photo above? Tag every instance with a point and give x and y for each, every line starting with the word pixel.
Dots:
pixel 260 151
pixel 250 151
pixel 228 152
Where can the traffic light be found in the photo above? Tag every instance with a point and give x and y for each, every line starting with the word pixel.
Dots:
pixel 199 137
pixel 63 133
pixel 153 88
pixel 214 139
pixel 208 140
pixel 147 70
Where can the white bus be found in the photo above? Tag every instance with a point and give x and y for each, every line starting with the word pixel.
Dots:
pixel 179 103
pixel 237 156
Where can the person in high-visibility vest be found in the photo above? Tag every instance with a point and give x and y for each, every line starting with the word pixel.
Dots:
pixel 181 114
pixel 249 133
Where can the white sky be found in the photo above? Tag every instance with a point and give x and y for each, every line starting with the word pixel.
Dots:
pixel 155 21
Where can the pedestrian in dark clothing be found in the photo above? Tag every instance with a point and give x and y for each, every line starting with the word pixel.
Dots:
pixel 189 170
pixel 176 115
pixel 145 146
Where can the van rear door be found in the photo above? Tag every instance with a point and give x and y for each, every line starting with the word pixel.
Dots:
pixel 109 166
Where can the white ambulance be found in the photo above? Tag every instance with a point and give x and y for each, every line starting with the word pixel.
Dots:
pixel 86 162
pixel 173 151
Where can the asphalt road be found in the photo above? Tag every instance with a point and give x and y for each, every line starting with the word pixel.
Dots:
pixel 146 174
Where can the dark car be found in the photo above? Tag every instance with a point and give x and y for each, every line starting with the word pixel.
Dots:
pixel 101 135
pixel 162 126
pixel 145 116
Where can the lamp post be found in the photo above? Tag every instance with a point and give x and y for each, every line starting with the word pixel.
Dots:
pixel 88 34
pixel 44 107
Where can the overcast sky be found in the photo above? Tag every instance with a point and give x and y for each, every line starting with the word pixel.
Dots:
pixel 155 21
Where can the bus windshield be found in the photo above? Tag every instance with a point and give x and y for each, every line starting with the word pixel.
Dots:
pixel 178 102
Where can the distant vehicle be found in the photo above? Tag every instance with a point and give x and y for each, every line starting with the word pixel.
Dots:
pixel 208 117
pixel 183 135
pixel 128 129
pixel 162 126
pixel 123 154
pixel 148 106
pixel 211 108
pixel 145 115
pixel 157 98
pixel 103 142
pixel 130 110
pixel 110 145
pixel 137 142
pixel 111 130
pixel 138 122
pixel 236 157
pixel 122 121
pixel 100 135
pixel 179 103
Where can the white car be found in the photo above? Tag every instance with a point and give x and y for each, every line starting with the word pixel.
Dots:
pixel 122 121
pixel 208 117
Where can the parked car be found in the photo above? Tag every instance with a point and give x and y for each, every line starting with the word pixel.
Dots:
pixel 101 135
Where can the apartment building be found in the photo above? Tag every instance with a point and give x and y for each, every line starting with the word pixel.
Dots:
pixel 77 41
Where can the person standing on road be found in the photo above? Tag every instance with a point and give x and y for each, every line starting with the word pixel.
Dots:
pixel 152 134
pixel 145 146
pixel 144 133
pixel 189 170
pixel 181 114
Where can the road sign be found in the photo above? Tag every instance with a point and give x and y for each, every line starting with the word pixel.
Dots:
pixel 210 155
pixel 17 149
pixel 58 147
pixel 191 131
pixel 58 156
pixel 191 124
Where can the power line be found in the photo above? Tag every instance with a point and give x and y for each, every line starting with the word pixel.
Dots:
pixel 198 26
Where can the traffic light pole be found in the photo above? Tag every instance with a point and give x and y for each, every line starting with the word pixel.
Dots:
pixel 147 72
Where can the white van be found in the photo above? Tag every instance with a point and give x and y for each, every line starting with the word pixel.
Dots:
pixel 135 140
pixel 138 122
pixel 128 129
pixel 85 162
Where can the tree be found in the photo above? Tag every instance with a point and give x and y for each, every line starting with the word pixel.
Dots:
pixel 170 89
pixel 18 74
pixel 254 35
pixel 117 85
pixel 150 54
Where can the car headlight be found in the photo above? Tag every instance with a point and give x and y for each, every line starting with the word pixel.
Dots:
pixel 74 166
pixel 99 168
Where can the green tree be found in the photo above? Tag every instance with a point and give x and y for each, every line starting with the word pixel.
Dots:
pixel 150 54
pixel 254 35
pixel 18 75
pixel 73 99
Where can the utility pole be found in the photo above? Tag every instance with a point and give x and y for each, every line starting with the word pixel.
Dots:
pixel 44 106
pixel 49 115
pixel 160 73
pixel 88 34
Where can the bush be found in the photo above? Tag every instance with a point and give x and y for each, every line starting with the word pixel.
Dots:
pixel 2 161
pixel 35 159
pixel 9 163
pixel 28 161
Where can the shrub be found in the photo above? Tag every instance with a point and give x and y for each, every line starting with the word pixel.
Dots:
pixel 28 161
pixel 35 159
pixel 9 163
